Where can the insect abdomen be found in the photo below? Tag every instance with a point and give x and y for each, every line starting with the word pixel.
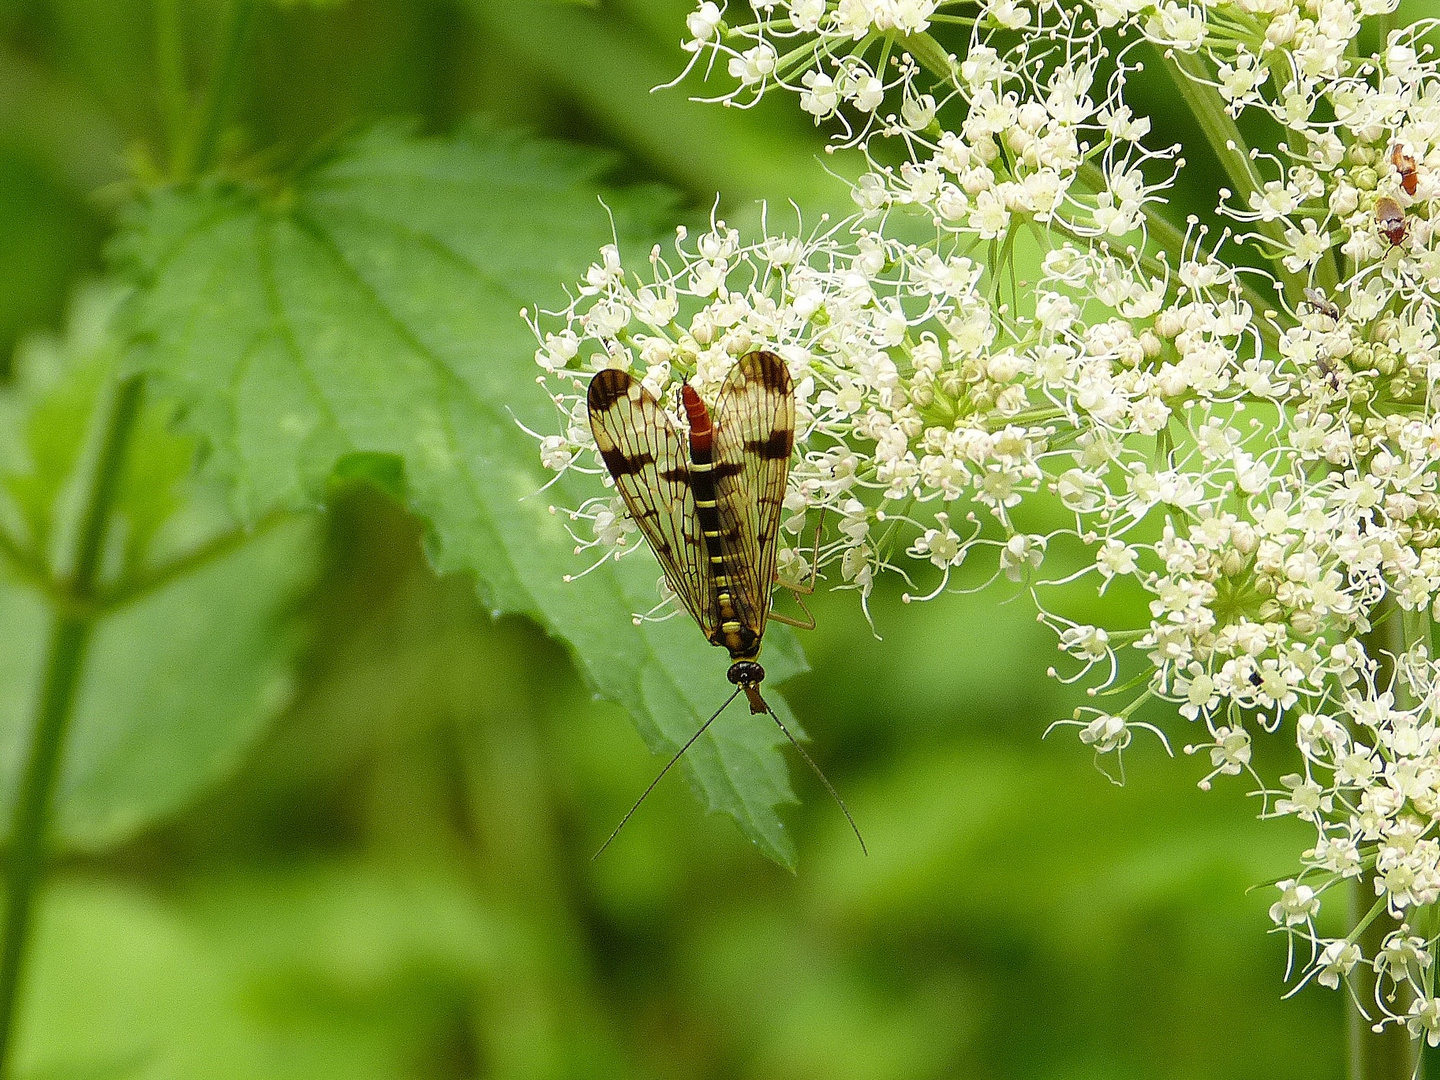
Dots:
pixel 739 639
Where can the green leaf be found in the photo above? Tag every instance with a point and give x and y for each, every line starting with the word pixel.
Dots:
pixel 371 313
pixel 330 973
pixel 192 654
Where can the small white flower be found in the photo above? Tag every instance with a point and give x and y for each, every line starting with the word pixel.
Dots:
pixel 1297 905
pixel 1116 559
pixel 1424 1019
pixel 941 546
pixel 806 14
pixel 1336 961
pixel 558 351
pixel 1402 958
pixel 1106 733
pixel 866 93
pixel 1021 554
pixel 821 97
pixel 555 453
pixel 1307 245
pixel 1306 800
pixel 754 65
pixel 702 23
pixel 1231 751
pixel 1085 642
pixel 918 112
pixel 1011 14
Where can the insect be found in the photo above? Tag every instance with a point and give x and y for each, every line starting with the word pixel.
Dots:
pixel 1404 165
pixel 709 505
pixel 1322 304
pixel 1391 219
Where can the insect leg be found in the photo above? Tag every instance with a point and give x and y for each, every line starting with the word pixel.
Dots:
pixel 799 590
pixel 807 623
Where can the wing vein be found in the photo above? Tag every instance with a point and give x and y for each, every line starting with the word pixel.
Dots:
pixel 647 458
pixel 754 437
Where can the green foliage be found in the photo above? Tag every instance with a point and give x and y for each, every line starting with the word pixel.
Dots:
pixel 193 653
pixel 392 879
pixel 611 65
pixel 44 232
pixel 371 312
pixel 130 986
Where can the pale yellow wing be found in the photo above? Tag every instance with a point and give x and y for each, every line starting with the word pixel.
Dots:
pixel 754 420
pixel 648 460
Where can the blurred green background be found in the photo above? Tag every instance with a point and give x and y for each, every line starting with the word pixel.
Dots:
pixel 394 879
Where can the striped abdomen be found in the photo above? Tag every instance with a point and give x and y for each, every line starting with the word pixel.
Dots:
pixel 742 641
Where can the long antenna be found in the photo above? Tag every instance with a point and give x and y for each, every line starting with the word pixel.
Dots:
pixel 689 743
pixel 816 768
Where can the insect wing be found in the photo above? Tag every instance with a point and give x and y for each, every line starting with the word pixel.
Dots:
pixel 1390 217
pixel 754 437
pixel 647 459
pixel 1404 165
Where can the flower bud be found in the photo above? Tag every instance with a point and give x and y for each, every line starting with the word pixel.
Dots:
pixel 1169 323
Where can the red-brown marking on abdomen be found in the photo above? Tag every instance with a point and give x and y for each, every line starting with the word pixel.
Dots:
pixel 701 433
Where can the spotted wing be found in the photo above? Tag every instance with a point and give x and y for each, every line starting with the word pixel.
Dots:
pixel 754 420
pixel 650 465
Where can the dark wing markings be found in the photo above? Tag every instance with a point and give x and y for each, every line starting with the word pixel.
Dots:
pixel 754 420
pixel 649 461
pixel 777 446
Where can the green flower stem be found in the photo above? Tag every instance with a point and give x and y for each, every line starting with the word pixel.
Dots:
pixel 1390 1054
pixel 10 548
pixel 69 637
pixel 932 56
pixel 506 774
pixel 224 84
pixel 187 564
pixel 1191 79
pixel 1385 24
pixel 1386 1055
pixel 174 101
pixel 70 634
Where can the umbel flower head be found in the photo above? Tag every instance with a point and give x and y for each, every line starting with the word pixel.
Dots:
pixel 1009 365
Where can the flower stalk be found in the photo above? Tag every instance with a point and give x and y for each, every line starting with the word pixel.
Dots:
pixel 1192 81
pixel 72 627
pixel 1390 1053
pixel 174 100
pixel 223 87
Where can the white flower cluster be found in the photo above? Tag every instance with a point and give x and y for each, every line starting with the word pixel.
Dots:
pixel 1371 787
pixel 1008 359
pixel 833 54
pixel 888 418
